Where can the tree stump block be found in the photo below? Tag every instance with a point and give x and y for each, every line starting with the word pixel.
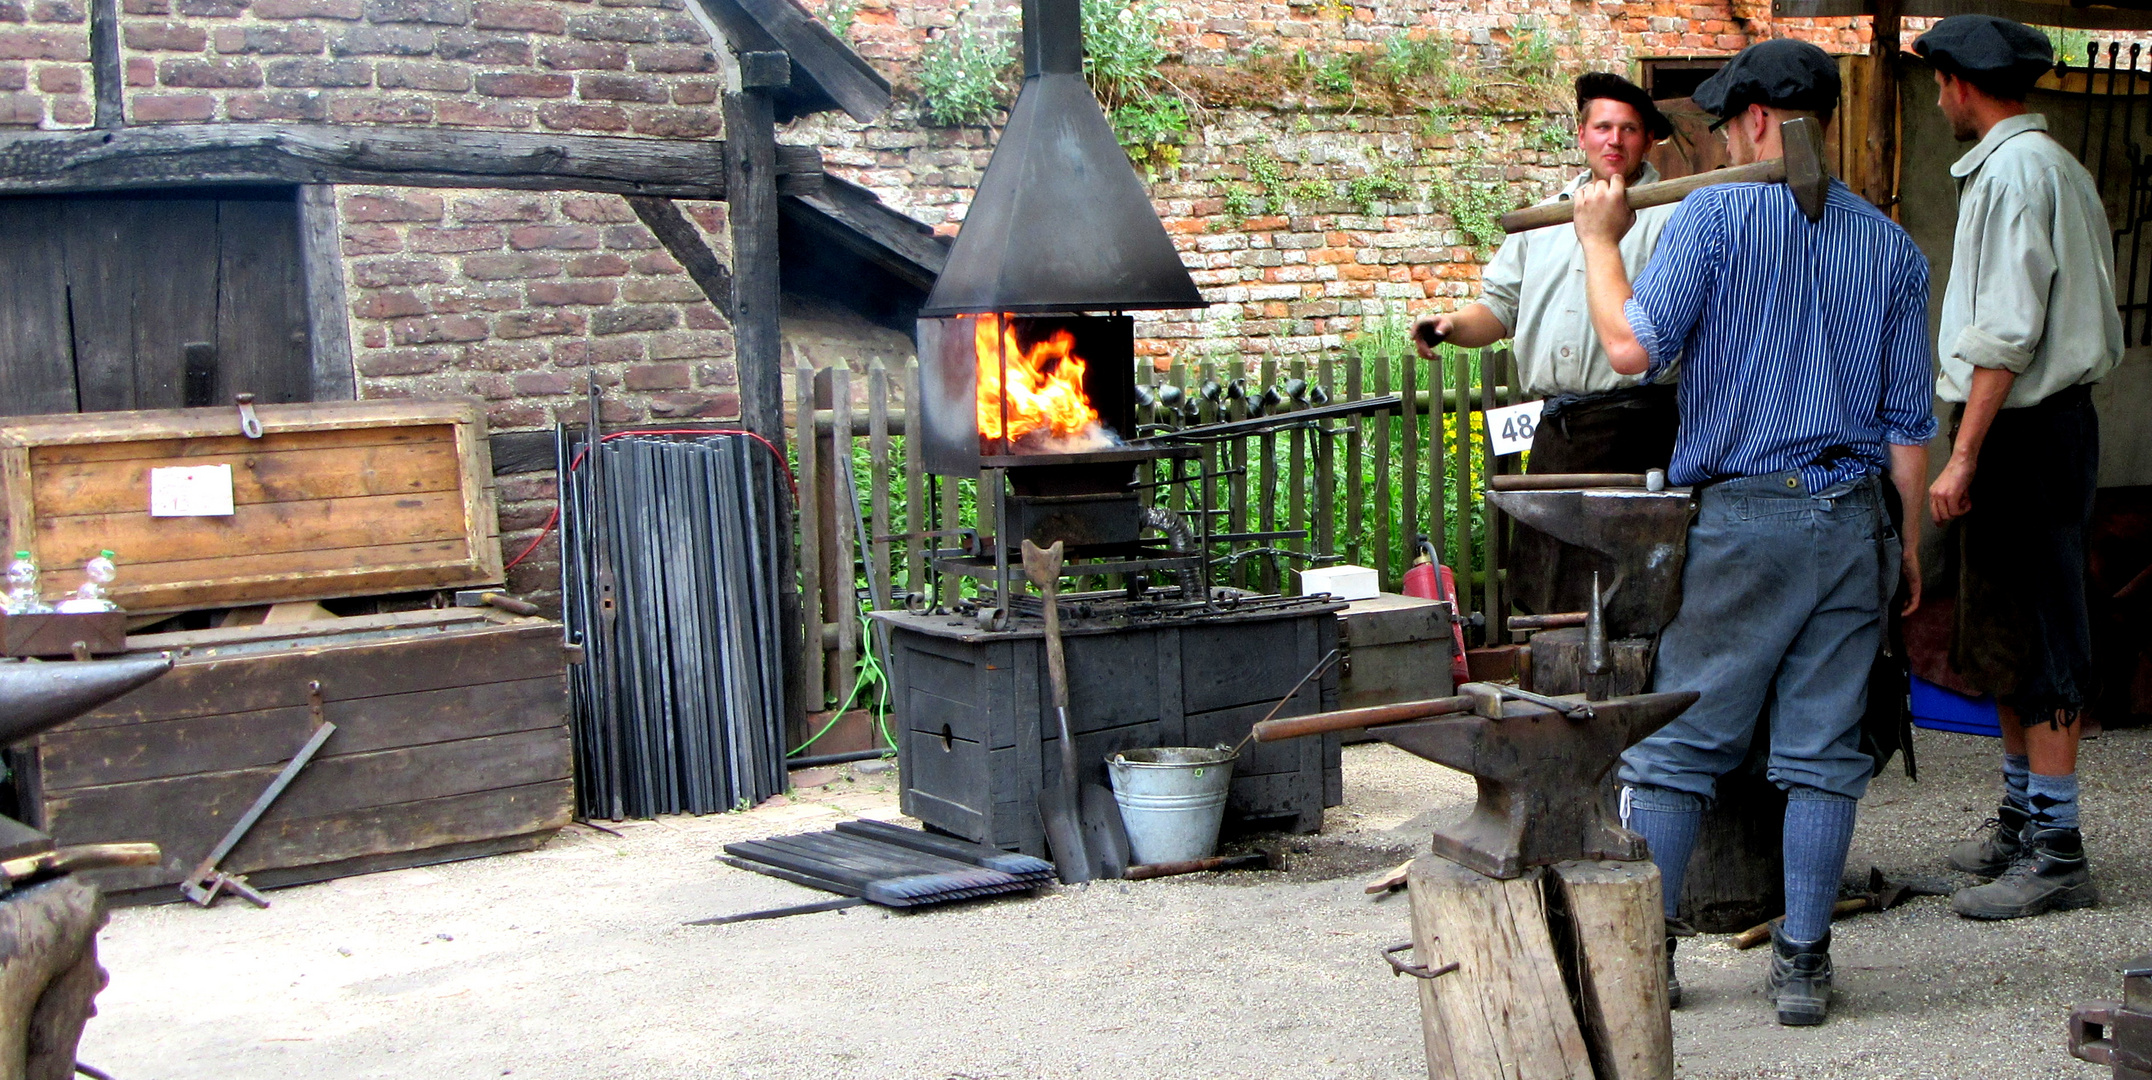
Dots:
pixel 49 976
pixel 1558 658
pixel 1736 874
pixel 1561 973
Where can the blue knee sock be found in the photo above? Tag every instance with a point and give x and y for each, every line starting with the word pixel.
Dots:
pixel 2016 767
pixel 2053 800
pixel 1819 829
pixel 1667 820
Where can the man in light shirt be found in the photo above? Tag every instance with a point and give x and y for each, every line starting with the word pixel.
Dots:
pixel 1596 419
pixel 2028 325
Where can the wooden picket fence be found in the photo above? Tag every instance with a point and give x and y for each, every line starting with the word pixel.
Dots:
pixel 1358 489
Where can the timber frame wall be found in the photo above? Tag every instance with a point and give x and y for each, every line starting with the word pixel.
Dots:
pixel 508 200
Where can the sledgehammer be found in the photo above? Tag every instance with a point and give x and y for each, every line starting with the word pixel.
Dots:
pixel 1801 169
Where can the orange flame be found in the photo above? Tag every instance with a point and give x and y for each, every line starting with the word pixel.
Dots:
pixel 1045 391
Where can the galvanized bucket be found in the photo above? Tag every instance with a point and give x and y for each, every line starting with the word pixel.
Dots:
pixel 1172 800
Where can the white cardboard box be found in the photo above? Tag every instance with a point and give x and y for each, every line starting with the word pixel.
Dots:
pixel 1343 582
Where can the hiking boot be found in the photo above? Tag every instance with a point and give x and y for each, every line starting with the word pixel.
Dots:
pixel 2051 875
pixel 1800 979
pixel 1676 929
pixel 1991 854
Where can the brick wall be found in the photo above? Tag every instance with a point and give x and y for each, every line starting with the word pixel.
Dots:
pixel 519 299
pixel 1300 278
pixel 44 64
pixel 516 298
pixel 643 67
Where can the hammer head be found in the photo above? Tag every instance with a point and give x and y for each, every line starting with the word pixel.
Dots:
pixel 1806 174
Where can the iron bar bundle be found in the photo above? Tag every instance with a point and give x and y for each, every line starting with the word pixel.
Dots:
pixel 668 582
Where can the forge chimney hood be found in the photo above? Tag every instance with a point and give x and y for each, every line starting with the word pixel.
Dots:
pixel 1060 222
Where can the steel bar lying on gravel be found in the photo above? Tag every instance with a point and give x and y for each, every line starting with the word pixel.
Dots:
pixel 891 866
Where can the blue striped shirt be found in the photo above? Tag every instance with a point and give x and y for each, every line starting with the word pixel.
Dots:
pixel 1806 344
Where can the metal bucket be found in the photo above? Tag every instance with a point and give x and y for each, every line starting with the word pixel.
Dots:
pixel 1172 800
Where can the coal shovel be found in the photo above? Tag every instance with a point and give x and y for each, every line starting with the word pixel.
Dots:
pixel 1060 792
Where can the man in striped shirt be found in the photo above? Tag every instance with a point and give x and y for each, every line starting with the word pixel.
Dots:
pixel 1806 380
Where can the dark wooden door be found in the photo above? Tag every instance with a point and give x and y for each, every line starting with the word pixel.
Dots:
pixel 151 300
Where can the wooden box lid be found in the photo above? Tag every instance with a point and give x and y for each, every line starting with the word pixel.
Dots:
pixel 334 499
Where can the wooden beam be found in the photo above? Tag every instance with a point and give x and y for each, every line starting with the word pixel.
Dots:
pixel 194 154
pixel 758 350
pixel 106 77
pixel 328 319
pixel 1880 185
pixel 685 243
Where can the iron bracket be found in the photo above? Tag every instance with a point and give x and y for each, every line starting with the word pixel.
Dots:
pixel 249 424
pixel 1417 971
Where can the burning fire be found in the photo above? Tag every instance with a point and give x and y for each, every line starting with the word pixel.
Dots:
pixel 1044 391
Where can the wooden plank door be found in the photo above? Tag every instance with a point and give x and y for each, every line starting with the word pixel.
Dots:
pixel 37 369
pixel 151 300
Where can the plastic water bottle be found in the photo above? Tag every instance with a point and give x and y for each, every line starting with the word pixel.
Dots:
pixel 97 576
pixel 22 598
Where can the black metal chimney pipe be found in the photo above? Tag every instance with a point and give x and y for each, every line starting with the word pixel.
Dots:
pixel 1060 222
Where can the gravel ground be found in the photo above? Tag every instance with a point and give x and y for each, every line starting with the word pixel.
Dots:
pixel 571 961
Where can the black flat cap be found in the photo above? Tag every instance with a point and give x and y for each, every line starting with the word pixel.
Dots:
pixel 1993 54
pixel 1782 73
pixel 1593 85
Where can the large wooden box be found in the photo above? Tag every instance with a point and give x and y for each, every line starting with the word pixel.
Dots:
pixel 334 499
pixel 976 733
pixel 451 741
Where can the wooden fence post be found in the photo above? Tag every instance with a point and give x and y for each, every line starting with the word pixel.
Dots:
pixel 814 691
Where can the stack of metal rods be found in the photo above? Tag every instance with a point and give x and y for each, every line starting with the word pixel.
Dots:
pixel 668 582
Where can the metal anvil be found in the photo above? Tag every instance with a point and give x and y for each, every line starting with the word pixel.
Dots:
pixel 1641 538
pixel 35 696
pixel 1538 770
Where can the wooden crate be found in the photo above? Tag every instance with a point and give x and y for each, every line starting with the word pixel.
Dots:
pixel 335 499
pixel 451 742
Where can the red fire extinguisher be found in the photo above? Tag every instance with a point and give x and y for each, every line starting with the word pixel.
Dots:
pixel 1428 579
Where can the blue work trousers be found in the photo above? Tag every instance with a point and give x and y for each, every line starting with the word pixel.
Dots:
pixel 1782 608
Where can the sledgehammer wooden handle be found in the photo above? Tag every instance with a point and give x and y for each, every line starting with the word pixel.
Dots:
pixel 1645 195
pixel 1293 727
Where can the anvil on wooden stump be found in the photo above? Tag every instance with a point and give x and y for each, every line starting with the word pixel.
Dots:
pixel 1536 920
pixel 1538 768
pixel 49 976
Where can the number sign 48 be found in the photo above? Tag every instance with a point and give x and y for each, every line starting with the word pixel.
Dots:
pixel 1510 428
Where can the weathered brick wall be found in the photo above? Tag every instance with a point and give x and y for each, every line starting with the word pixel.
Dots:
pixel 44 64
pixel 520 299
pixel 642 67
pixel 1300 273
pixel 515 298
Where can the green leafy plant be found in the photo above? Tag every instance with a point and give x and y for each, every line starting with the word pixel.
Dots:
pixel 1554 134
pixel 1475 203
pixel 963 75
pixel 1532 56
pixel 1124 45
pixel 1239 204
pixel 1335 75
pixel 1405 58
pixel 1269 177
pixel 839 17
pixel 1385 182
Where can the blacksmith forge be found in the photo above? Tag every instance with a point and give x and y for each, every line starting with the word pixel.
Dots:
pixel 1027 358
pixel 1028 385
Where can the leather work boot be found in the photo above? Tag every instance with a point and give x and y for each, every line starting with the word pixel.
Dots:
pixel 1800 979
pixel 1676 929
pixel 2051 875
pixel 1990 854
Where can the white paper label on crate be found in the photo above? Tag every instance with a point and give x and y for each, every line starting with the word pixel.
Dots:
pixel 193 491
pixel 1510 428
